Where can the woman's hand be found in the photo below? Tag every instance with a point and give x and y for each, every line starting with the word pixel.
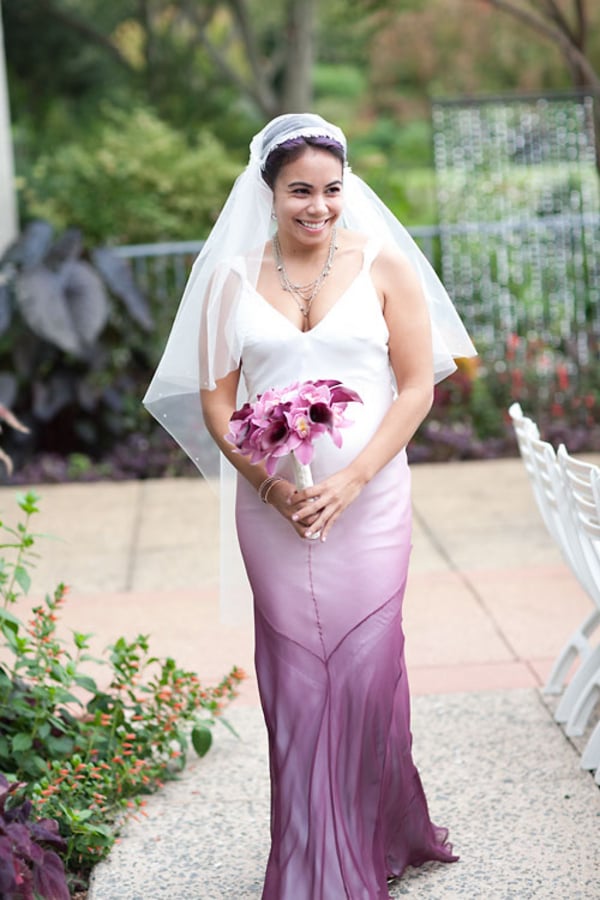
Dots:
pixel 282 496
pixel 314 510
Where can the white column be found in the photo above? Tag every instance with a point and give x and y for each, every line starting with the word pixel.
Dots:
pixel 8 200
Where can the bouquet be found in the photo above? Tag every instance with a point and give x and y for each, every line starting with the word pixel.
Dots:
pixel 287 421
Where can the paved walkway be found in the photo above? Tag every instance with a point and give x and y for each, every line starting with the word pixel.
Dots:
pixel 488 605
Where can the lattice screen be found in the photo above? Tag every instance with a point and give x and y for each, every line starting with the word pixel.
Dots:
pixel 519 206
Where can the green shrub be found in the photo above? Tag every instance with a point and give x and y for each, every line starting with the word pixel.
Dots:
pixel 84 754
pixel 396 161
pixel 134 180
pixel 345 81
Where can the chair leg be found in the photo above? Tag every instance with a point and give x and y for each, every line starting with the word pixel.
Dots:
pixel 584 707
pixel 578 645
pixel 590 758
pixel 578 684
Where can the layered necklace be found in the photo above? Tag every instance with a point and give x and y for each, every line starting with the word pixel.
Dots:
pixel 303 294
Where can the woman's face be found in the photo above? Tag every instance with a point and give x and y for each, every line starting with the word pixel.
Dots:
pixel 307 197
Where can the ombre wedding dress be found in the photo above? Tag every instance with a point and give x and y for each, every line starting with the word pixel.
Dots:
pixel 347 807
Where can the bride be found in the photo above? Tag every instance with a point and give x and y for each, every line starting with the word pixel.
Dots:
pixel 307 275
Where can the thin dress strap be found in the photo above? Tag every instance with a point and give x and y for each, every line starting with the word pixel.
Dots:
pixel 370 251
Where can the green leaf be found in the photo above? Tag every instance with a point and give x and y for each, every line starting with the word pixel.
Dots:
pixel 44 730
pixel 229 726
pixel 85 681
pixel 4 749
pixel 22 578
pixel 81 640
pixel 28 502
pixel 34 765
pixel 63 696
pixel 21 742
pixel 77 816
pixel 7 620
pixel 61 746
pixel 201 739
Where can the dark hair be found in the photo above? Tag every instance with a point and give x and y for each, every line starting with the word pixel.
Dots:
pixel 290 150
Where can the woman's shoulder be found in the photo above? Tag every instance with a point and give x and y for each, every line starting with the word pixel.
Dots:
pixel 380 250
pixel 390 259
pixel 350 240
pixel 242 263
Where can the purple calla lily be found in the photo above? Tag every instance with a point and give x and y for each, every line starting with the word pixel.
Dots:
pixel 287 421
pixel 340 393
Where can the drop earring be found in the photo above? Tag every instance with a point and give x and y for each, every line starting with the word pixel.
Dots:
pixel 273 215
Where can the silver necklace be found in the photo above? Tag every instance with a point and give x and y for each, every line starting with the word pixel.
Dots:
pixel 303 294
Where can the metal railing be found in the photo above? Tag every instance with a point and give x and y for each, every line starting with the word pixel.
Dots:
pixel 161 271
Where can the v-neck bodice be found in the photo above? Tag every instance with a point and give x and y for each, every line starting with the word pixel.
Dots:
pixel 350 343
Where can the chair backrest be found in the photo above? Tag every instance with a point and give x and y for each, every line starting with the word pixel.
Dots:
pixel 558 511
pixel 550 485
pixel 579 478
pixel 527 431
pixel 596 489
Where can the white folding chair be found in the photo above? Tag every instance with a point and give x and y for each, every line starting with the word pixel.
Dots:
pixel 581 695
pixel 525 429
pixel 590 758
pixel 562 524
pixel 548 488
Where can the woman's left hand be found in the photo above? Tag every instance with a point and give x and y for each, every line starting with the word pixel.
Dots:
pixel 323 503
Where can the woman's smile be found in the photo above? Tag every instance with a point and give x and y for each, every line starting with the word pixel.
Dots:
pixel 313 226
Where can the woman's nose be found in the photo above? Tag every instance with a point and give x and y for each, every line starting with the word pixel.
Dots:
pixel 319 203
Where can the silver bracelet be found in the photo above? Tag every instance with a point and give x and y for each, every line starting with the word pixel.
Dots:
pixel 265 488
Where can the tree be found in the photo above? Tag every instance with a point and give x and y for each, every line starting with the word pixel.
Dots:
pixel 265 54
pixel 567 25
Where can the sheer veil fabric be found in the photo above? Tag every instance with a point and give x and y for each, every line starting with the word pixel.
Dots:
pixel 205 343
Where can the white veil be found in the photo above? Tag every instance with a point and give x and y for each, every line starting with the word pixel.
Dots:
pixel 204 344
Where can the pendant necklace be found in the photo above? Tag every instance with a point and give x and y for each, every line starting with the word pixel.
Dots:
pixel 303 294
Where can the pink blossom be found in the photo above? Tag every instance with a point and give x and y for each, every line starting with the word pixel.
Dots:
pixel 289 420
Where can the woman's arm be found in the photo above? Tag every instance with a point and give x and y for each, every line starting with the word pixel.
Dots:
pixel 217 407
pixel 407 317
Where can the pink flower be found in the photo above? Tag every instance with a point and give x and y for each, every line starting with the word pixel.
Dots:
pixel 288 420
pixel 339 393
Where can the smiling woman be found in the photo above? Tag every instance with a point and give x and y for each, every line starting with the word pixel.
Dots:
pixel 307 278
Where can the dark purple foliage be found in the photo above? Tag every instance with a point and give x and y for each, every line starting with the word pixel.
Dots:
pixel 29 867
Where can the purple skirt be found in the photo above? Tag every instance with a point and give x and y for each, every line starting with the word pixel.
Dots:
pixel 347 805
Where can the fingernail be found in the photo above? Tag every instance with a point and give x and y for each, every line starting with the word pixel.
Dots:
pixel 308 534
pixel 294 518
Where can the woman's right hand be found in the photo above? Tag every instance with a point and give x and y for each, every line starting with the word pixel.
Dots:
pixel 279 496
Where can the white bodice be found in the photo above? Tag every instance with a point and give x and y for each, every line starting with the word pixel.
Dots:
pixel 349 344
